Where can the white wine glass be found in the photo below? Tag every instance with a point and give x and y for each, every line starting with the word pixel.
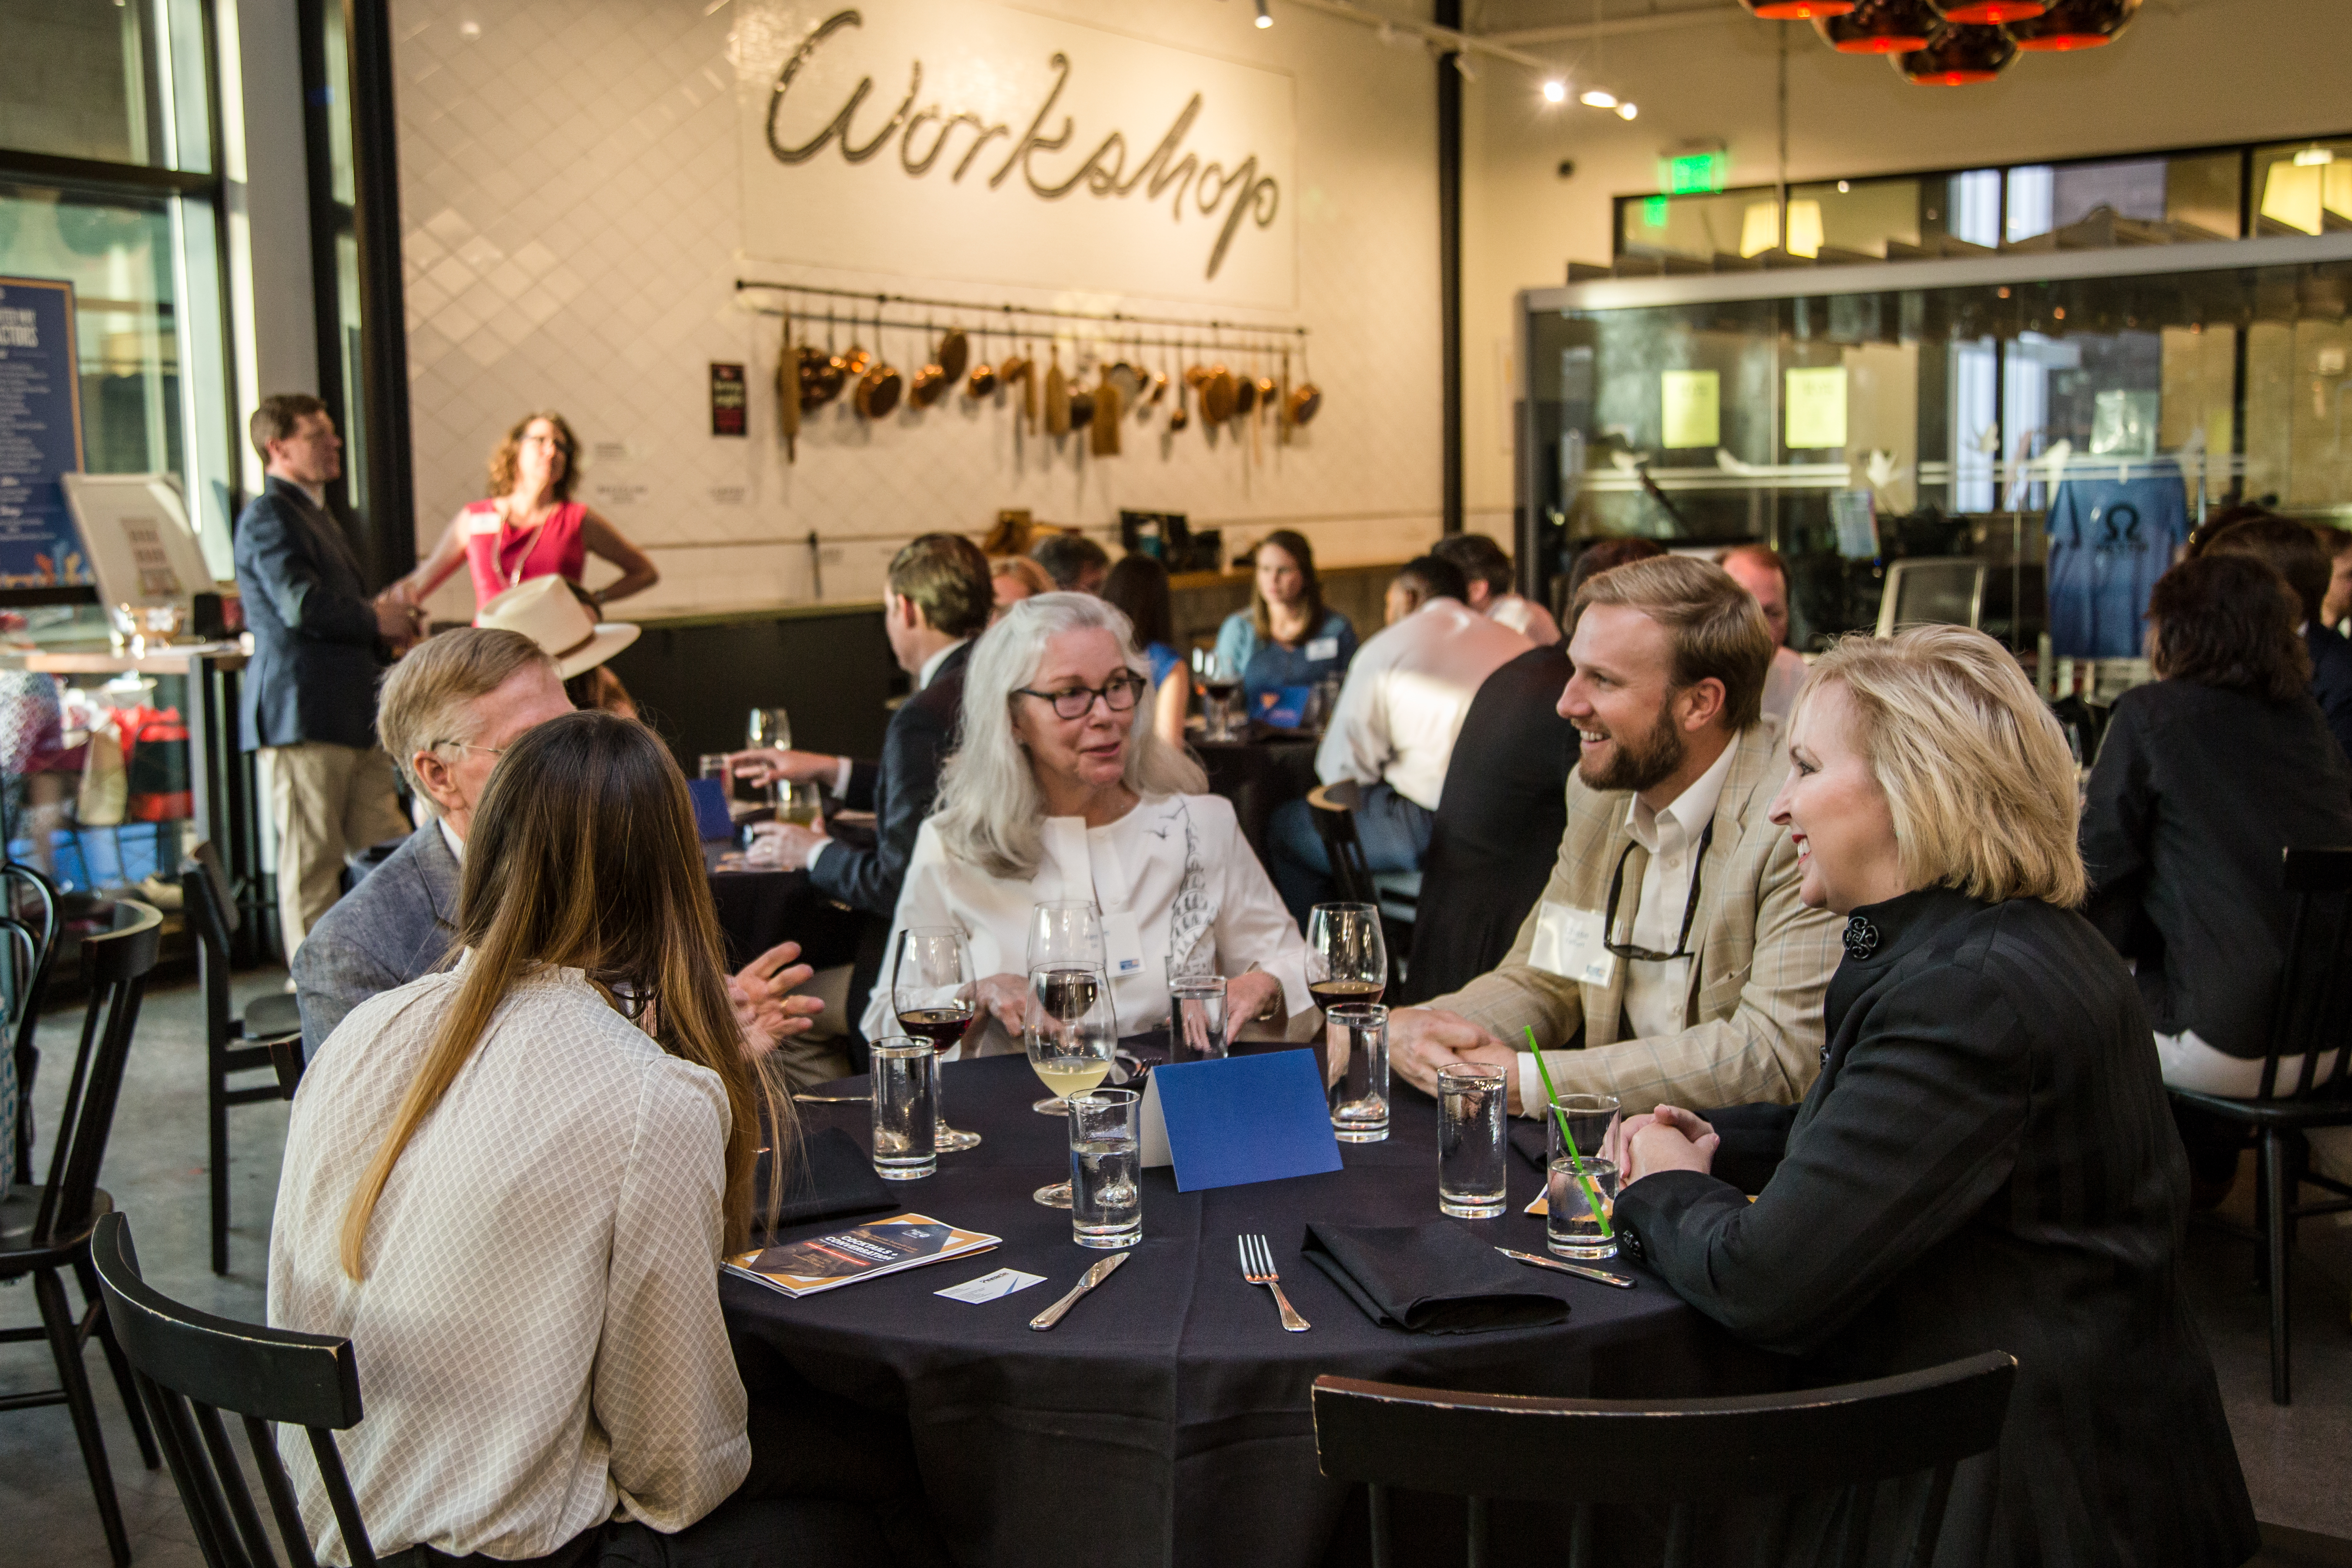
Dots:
pixel 771 728
pixel 1071 1035
pixel 1064 933
pixel 931 992
pixel 1347 957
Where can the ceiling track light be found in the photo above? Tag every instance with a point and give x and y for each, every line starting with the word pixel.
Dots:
pixel 2074 25
pixel 1264 18
pixel 1595 98
pixel 1555 91
pixel 1879 28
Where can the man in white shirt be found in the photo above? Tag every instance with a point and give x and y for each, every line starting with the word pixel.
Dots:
pixel 1760 569
pixel 1392 730
pixel 1487 585
pixel 1671 935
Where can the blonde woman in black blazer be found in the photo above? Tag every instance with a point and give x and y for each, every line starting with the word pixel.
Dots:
pixel 1986 1161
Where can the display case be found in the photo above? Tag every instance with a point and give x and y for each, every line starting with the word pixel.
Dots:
pixel 1983 409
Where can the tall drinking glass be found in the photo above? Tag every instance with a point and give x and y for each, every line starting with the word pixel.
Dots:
pixel 1071 1036
pixel 1196 1022
pixel 931 991
pixel 1066 935
pixel 1472 1179
pixel 906 1079
pixel 771 727
pixel 1591 1118
pixel 1570 1226
pixel 1106 1160
pixel 1219 683
pixel 1347 957
pixel 1356 1071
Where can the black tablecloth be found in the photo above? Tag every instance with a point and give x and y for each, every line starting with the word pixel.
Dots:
pixel 1166 1420
pixel 758 909
pixel 1270 769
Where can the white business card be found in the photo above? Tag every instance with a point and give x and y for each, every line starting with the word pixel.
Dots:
pixel 990 1286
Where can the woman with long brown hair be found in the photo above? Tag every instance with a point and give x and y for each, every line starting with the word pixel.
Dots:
pixel 529 525
pixel 511 1185
pixel 1287 638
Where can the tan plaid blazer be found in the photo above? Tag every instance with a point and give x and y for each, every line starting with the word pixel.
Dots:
pixel 1752 1024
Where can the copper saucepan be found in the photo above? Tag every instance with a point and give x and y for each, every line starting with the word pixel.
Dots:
pixel 954 353
pixel 878 387
pixel 1217 394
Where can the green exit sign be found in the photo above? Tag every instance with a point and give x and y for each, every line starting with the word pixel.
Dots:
pixel 1694 173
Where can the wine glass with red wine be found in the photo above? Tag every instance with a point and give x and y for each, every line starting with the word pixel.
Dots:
pixel 1347 958
pixel 931 991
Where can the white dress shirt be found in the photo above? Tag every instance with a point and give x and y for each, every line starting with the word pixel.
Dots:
pixel 1665 859
pixel 1406 696
pixel 1178 863
pixel 538 1335
pixel 1783 679
pixel 1525 616
pixel 842 765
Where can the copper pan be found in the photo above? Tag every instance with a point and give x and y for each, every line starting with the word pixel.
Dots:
pixel 878 387
pixel 1217 395
pixel 954 353
pixel 930 384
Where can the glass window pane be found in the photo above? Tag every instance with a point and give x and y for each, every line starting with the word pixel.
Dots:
pixel 79 80
pixel 2303 187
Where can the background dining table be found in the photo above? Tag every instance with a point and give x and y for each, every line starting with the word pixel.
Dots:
pixel 760 906
pixel 1166 1420
pixel 1259 772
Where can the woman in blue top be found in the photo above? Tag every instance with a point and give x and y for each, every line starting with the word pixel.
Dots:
pixel 1286 637
pixel 1137 588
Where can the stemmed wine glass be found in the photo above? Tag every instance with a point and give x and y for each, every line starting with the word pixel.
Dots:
pixel 1347 958
pixel 1071 1034
pixel 772 728
pixel 1218 682
pixel 931 991
pixel 1066 935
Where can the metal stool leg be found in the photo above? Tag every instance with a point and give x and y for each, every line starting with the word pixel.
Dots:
pixel 2277 1199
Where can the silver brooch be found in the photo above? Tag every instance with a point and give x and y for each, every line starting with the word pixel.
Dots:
pixel 1861 938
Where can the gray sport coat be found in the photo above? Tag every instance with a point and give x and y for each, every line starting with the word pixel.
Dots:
pixel 396 926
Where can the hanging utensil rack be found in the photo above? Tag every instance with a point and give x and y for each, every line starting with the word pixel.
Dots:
pixel 1017 318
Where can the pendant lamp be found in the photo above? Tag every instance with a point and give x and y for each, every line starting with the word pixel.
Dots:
pixel 1984 13
pixel 1957 56
pixel 2074 25
pixel 1879 28
pixel 1796 10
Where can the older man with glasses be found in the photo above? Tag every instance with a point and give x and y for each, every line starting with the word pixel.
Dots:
pixel 1670 937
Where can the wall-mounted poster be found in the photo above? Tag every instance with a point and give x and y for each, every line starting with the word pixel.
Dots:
pixel 40 433
pixel 1690 408
pixel 958 139
pixel 727 411
pixel 1816 404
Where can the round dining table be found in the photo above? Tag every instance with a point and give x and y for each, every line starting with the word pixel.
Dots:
pixel 1166 1419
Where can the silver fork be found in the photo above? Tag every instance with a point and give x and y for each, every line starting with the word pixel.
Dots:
pixel 1258 1267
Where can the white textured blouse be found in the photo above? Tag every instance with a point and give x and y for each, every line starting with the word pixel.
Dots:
pixel 538 1335
pixel 1178 863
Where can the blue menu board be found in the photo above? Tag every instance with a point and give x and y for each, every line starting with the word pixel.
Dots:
pixel 40 433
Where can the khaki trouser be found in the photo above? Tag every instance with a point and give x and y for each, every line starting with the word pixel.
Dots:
pixel 328 803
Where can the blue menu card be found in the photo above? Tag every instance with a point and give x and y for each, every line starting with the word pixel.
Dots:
pixel 711 818
pixel 1223 1123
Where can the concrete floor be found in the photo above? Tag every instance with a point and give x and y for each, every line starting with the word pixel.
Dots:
pixel 2294 1458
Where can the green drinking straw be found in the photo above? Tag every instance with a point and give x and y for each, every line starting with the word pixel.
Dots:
pixel 1576 1163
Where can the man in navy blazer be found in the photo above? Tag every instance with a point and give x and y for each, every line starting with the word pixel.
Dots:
pixel 319 639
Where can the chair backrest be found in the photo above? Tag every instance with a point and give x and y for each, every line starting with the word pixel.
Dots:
pixel 37 914
pixel 191 1367
pixel 211 909
pixel 2311 1016
pixel 115 965
pixel 1690 1456
pixel 1333 809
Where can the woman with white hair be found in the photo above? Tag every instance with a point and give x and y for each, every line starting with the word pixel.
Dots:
pixel 1986 1161
pixel 1058 794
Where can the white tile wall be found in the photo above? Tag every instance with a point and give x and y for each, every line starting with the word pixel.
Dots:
pixel 569 195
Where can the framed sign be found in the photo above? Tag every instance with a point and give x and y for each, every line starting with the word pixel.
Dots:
pixel 142 551
pixel 728 415
pixel 40 433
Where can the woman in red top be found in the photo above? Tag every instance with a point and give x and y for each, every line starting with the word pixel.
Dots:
pixel 530 526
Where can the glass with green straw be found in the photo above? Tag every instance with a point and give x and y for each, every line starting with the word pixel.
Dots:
pixel 1567 1139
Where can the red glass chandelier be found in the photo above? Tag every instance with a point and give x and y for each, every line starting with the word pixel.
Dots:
pixel 2074 25
pixel 1797 10
pixel 1989 13
pixel 1960 55
pixel 1879 28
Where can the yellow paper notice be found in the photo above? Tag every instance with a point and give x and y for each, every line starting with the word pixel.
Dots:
pixel 1690 409
pixel 1816 404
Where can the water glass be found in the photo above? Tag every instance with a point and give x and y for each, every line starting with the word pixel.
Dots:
pixel 1196 1023
pixel 772 728
pixel 1592 1117
pixel 1105 1167
pixel 905 1093
pixel 1472 1179
pixel 1570 1227
pixel 1356 1071
pixel 712 765
pixel 798 802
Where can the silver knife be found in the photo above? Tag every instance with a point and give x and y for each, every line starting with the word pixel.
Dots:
pixel 833 1099
pixel 1092 1278
pixel 1622 1281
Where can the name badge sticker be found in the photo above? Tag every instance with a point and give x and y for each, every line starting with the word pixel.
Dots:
pixel 1122 943
pixel 1319 648
pixel 1573 944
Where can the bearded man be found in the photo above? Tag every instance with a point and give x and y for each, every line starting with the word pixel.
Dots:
pixel 1670 958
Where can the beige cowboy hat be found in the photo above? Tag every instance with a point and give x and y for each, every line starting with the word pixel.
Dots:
pixel 545 610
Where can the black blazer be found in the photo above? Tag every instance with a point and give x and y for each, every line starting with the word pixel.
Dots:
pixel 2195 794
pixel 2331 679
pixel 899 791
pixel 1986 1162
pixel 1497 828
pixel 316 648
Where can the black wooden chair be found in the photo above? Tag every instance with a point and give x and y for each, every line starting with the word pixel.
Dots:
pixel 1690 1457
pixel 46 1229
pixel 2310 1018
pixel 191 1366
pixel 33 911
pixel 268 1037
pixel 1396 894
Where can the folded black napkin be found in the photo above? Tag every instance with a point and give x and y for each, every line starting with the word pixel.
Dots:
pixel 829 1174
pixel 1433 1279
pixel 1528 1138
